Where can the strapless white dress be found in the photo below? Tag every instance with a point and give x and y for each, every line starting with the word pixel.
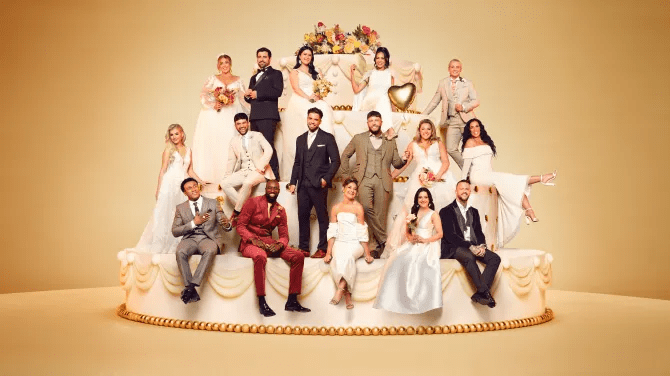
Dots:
pixel 348 234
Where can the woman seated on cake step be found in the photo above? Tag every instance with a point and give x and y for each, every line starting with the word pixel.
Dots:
pixel 374 90
pixel 347 241
pixel 412 282
pixel 513 190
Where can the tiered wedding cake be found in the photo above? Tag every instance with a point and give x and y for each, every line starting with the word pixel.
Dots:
pixel 152 281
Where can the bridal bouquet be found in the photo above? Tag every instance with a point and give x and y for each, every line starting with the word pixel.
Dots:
pixel 427 177
pixel 225 97
pixel 411 222
pixel 322 88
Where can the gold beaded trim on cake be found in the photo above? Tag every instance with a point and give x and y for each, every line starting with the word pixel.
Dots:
pixel 331 331
pixel 350 108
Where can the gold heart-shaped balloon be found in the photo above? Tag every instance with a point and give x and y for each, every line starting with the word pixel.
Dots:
pixel 402 96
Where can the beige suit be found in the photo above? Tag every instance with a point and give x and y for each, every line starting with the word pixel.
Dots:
pixel 206 239
pixel 374 192
pixel 453 120
pixel 243 164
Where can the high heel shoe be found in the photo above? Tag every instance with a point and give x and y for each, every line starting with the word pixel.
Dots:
pixel 336 302
pixel 552 177
pixel 530 219
pixel 347 295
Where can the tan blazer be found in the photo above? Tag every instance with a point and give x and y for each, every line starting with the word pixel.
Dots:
pixel 181 225
pixel 466 96
pixel 261 152
pixel 359 145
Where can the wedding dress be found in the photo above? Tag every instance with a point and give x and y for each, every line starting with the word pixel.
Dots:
pixel 214 130
pixel 443 193
pixel 412 282
pixel 295 121
pixel 375 96
pixel 348 234
pixel 157 236
pixel 511 189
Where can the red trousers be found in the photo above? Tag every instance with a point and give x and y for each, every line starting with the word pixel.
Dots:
pixel 294 257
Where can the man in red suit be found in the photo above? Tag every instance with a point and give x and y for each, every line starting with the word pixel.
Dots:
pixel 259 216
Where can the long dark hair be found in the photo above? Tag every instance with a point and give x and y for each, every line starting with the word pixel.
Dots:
pixel 387 55
pixel 484 136
pixel 415 207
pixel 312 70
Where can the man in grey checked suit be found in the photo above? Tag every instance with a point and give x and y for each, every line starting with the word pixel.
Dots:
pixel 198 221
pixel 459 99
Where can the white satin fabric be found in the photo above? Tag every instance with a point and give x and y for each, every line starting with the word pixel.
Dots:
pixel 157 236
pixel 510 187
pixel 295 121
pixel 348 234
pixel 214 130
pixel 412 282
pixel 375 96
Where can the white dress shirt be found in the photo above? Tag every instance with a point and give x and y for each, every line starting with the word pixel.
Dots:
pixel 310 137
pixel 464 210
pixel 376 140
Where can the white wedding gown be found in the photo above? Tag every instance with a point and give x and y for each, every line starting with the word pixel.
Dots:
pixel 295 121
pixel 157 236
pixel 375 96
pixel 511 189
pixel 443 192
pixel 348 234
pixel 412 282
pixel 214 130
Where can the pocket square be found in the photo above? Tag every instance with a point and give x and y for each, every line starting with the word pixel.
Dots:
pixel 320 146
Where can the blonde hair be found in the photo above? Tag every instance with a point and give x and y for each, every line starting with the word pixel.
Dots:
pixel 230 61
pixel 169 146
pixel 433 131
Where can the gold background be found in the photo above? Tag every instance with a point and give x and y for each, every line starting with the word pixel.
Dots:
pixel 89 87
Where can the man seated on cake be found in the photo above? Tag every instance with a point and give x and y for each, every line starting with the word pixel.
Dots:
pixel 463 239
pixel 248 163
pixel 198 221
pixel 258 218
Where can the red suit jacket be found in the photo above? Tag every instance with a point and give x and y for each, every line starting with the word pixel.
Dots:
pixel 254 223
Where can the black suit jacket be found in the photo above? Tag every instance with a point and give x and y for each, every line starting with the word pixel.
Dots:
pixel 321 160
pixel 452 236
pixel 268 90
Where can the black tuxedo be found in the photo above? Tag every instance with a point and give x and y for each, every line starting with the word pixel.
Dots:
pixel 320 161
pixel 454 245
pixel 264 109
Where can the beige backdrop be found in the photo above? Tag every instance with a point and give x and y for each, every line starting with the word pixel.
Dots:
pixel 89 87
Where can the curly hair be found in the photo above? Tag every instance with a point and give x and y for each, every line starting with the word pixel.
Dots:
pixel 484 135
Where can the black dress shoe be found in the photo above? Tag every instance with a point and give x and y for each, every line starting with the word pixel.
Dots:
pixel 492 302
pixel 296 307
pixel 194 297
pixel 480 298
pixel 266 311
pixel 186 295
pixel 375 254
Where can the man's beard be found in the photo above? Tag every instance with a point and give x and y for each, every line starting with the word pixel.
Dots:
pixel 271 199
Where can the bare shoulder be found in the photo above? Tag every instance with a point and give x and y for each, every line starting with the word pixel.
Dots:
pixel 470 143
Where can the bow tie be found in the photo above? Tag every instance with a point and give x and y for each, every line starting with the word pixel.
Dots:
pixel 262 70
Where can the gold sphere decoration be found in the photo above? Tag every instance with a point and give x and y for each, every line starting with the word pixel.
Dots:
pixel 350 331
pixel 151 320
pixel 393 331
pixel 340 331
pixel 479 327
pixel 358 331
pixel 438 330
pixel 261 329
pixel 230 328
pixel 215 327
pixel 314 331
pixel 508 325
pixel 306 330
pixel 385 331
pixel 171 323
pixel 189 325
pixel 202 325
pixel 332 331
pixel 472 327
pixel 452 329
pixel 253 329
pixel 375 331
pixel 367 331
pixel 459 328
pixel 422 330
pixel 270 329
pixel 245 328
pixel 286 330
pixel 222 327
pixel 411 331
pixel 466 328
pixel 208 327
pixel 323 331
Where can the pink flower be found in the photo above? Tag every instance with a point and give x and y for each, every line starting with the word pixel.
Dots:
pixel 320 24
pixel 366 30
pixel 340 37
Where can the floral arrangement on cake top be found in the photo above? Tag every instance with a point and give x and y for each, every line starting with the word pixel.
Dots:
pixel 335 41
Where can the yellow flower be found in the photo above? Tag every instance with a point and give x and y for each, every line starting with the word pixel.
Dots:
pixel 307 38
pixel 357 43
pixel 336 49
pixel 330 35
pixel 348 48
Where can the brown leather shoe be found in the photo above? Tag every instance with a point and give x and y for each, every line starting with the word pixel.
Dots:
pixel 320 253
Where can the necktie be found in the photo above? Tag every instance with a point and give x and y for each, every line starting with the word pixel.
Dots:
pixel 195 206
